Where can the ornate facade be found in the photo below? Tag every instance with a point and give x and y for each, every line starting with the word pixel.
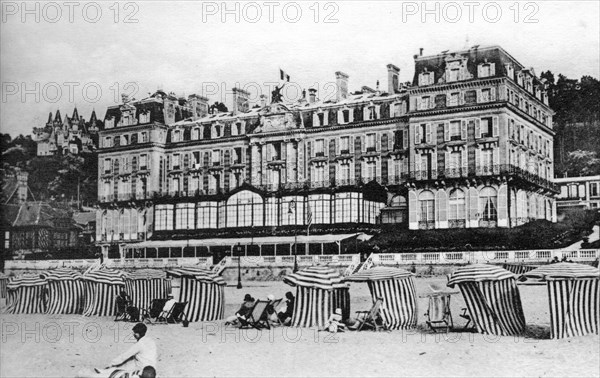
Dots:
pixel 468 144
pixel 69 135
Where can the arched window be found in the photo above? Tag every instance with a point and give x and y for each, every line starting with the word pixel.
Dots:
pixel 245 209
pixel 398 201
pixel 456 205
pixel 488 204
pixel 426 206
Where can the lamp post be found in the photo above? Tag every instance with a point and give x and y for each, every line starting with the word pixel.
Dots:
pixel 290 212
pixel 239 253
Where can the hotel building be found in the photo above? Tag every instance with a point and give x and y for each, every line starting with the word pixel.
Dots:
pixel 467 144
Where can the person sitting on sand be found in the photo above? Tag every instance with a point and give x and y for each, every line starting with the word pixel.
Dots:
pixel 289 309
pixel 139 356
pixel 167 307
pixel 334 323
pixel 243 312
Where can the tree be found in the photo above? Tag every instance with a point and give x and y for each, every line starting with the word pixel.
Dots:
pixel 583 163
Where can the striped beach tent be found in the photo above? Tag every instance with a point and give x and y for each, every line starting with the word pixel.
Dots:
pixel 3 282
pixel 573 298
pixel 319 291
pixel 101 290
pixel 66 294
pixel 203 291
pixel 27 294
pixel 396 288
pixel 519 269
pixel 144 285
pixel 492 298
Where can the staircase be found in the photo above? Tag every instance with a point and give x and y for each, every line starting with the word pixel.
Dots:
pixel 220 267
pixel 359 267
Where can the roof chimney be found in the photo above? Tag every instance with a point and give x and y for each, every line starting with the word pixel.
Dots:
pixel 341 81
pixel 421 51
pixel 263 100
pixel 312 95
pixel 393 78
pixel 240 101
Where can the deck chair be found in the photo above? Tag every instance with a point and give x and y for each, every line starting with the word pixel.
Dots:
pixel 258 317
pixel 121 305
pixel 371 318
pixel 274 304
pixel 176 315
pixel 465 315
pixel 438 312
pixel 152 313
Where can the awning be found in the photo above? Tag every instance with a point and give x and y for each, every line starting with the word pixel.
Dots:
pixel 300 239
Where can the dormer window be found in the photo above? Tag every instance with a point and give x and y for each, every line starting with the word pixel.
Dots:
pixel 143 137
pixel 426 78
pixel 108 142
pixel 371 114
pixel 321 117
pixel 237 127
pixel 397 110
pixel 216 131
pixel 510 71
pixel 145 117
pixel 453 99
pixel 124 140
pixel 346 115
pixel 195 133
pixel 486 70
pixel 453 74
pixel 109 123
pixel 176 135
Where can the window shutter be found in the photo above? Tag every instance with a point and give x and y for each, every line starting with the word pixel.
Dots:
pixel 496 161
pixel 510 128
pixel 492 69
pixel 463 129
pixel 338 143
pixel 465 161
pixel 447 163
pixel 461 98
pixel 495 126
pixel 434 165
pixel 405 139
pixel 169 162
pixel 477 128
pixel 412 209
pixel 378 170
pixel 477 159
pixel 366 113
pixel 417 136
pixel 351 144
pixel 479 70
pixel 428 131
pixel 316 119
pixel 325 117
pixel 417 162
pixel 478 95
pixel 269 151
pixel 340 117
pixel 377 142
pixel 446 131
pixel 363 144
pixel 390 141
pixel 419 104
pixel 493 94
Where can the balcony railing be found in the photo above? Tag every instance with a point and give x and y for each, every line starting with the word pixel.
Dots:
pixel 485 170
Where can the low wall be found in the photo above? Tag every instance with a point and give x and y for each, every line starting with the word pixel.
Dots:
pixel 274 266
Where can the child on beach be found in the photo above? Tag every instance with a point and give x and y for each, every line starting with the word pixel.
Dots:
pixel 334 323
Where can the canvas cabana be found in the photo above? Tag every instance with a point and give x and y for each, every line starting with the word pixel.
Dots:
pixel 203 291
pixel 3 282
pixel 101 290
pixel 66 294
pixel 519 269
pixel 396 288
pixel 492 298
pixel 27 294
pixel 144 285
pixel 319 291
pixel 573 298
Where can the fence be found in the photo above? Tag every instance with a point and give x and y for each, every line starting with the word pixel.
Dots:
pixel 531 256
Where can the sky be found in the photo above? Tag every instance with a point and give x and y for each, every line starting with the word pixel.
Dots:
pixel 59 55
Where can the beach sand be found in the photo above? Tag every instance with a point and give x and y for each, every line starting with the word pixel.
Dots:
pixel 63 345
